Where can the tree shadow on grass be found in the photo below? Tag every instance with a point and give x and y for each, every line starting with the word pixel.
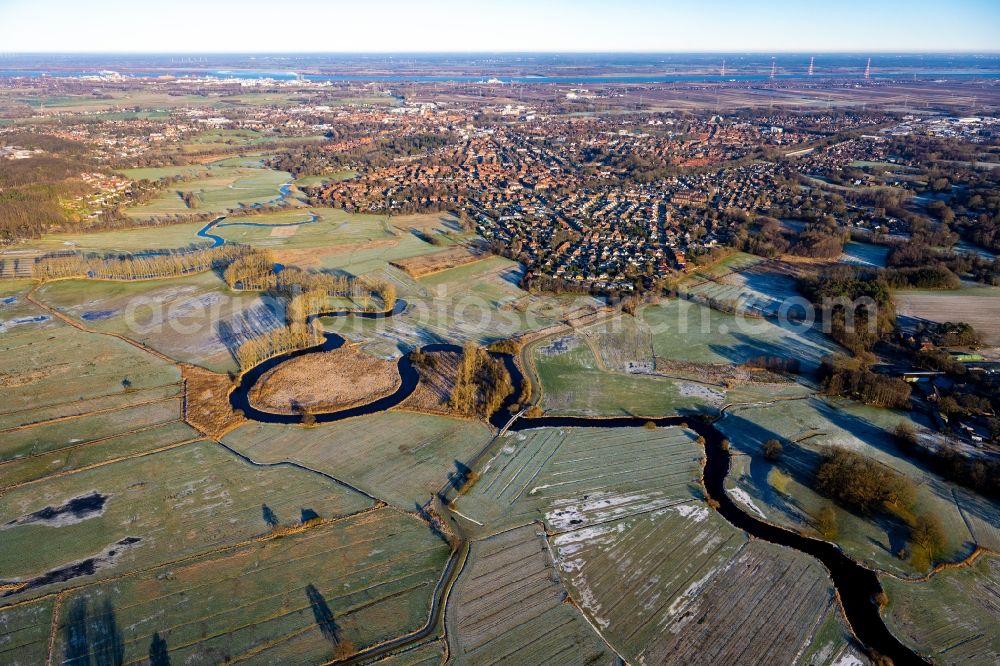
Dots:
pixel 158 655
pixel 269 516
pixel 250 324
pixel 460 475
pixel 77 646
pixel 323 615
pixel 93 637
pixel 797 461
pixel 791 346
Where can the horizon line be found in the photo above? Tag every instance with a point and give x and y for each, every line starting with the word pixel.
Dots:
pixel 528 52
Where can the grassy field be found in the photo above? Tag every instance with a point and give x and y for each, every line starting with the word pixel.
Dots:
pixel 493 279
pixel 323 180
pixel 624 343
pixel 293 229
pixel 49 369
pixel 805 428
pixel 575 477
pixel 88 451
pixel 865 254
pixel 690 332
pixel 153 535
pixel 615 568
pixel 574 383
pixel 336 240
pixel 73 400
pixel 196 319
pixel 138 239
pixel 398 456
pixel 952 617
pixel 765 606
pixel 426 654
pixel 508 605
pixel 223 187
pixel 303 598
pixel 143 99
pixel 641 553
pixel 745 283
pixel 363 244
pixel 709 597
pixel 183 501
pixel 458 312
pixel 24 633
pixel 47 437
pixel 156 173
pixel 220 140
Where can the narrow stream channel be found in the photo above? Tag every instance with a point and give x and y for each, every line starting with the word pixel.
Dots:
pixel 856 585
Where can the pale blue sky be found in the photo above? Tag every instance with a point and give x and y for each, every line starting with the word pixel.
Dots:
pixel 498 25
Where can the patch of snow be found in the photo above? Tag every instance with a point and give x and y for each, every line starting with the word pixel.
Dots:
pixel 692 390
pixel 689 595
pixel 741 496
pixel 587 534
pixel 589 601
pixel 694 512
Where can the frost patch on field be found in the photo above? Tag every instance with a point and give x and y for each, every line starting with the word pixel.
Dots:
pixel 561 519
pixel 741 496
pixel 560 345
pixel 848 660
pixel 706 393
pixel 690 595
pixel 599 507
pixel 596 534
pixel 695 513
pixel 589 601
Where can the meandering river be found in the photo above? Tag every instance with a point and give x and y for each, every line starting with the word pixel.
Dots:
pixel 857 586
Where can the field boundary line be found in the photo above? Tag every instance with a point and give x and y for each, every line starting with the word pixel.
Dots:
pixel 965 519
pixel 96 397
pixel 70 472
pixel 96 412
pixel 964 563
pixel 458 513
pixel 291 463
pixel 54 628
pixel 592 346
pixel 436 617
pixel 282 613
pixel 78 445
pixel 764 403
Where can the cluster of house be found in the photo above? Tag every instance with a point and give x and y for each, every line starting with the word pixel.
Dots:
pixel 109 191
pixel 564 195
